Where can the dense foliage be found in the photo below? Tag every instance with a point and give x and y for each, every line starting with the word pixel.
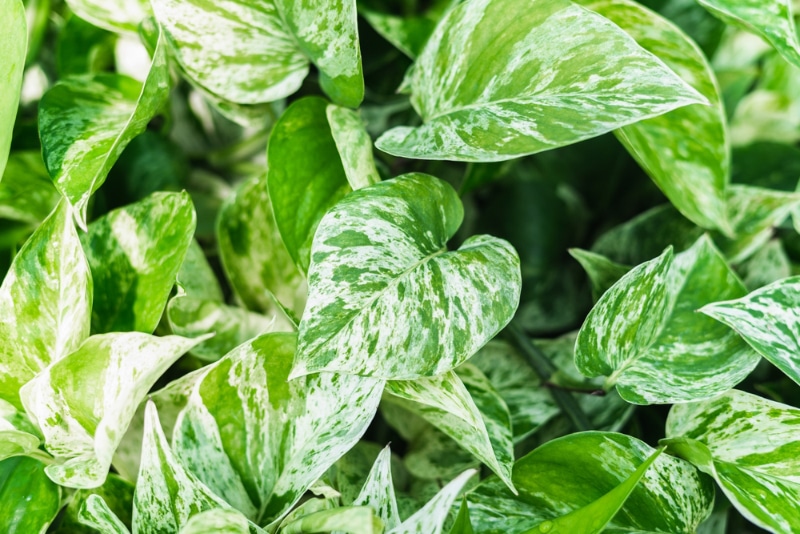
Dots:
pixel 413 266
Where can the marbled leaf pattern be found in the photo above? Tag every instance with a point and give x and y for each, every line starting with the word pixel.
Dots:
pixel 380 256
pixel 748 444
pixel 498 80
pixel 13 47
pixel 378 490
pixel 85 122
pixel 431 518
pixel 84 402
pixel 112 15
pixel 354 146
pixel 96 514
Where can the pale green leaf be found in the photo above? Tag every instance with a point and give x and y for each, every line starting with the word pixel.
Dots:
pixel 431 455
pixel 45 303
pixel 96 514
pixel 253 255
pixel 217 521
pixel 354 146
pixel 26 191
pixel 767 265
pixel 386 297
pixel 135 253
pixel 378 490
pixel 555 74
pixel 253 53
pixel 260 441
pixel 350 519
pixel 749 445
pixel 112 15
pixel 29 500
pixel 769 320
pixel 446 402
pixel 111 505
pixel 196 278
pixel 84 402
pixel 430 518
pixel 13 47
pixel 85 122
pixel 603 273
pixel 685 151
pixel 770 19
pixel 570 473
pixel 303 188
pixel 17 435
pixel 644 333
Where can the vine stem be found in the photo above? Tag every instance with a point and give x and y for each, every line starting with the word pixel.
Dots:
pixel 545 368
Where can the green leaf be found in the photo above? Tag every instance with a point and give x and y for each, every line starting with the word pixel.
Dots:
pixel 253 255
pixel 685 151
pixel 351 519
pixel 84 48
pixel 249 54
pixel 769 320
pixel 354 146
pixel 462 524
pixel 603 273
pixel 29 501
pixel 558 74
pixel 217 521
pixel 83 403
pixel 45 302
pixel 565 475
pixel 196 278
pixel 410 33
pixel 85 122
pixel 109 505
pixel 303 188
pixel 379 257
pixel 135 253
pixel 767 265
pixel 430 518
pixel 96 514
pixel 749 445
pixel 450 405
pixel 772 20
pixel 114 15
pixel 378 490
pixel 18 436
pixel 260 441
pixel 26 191
pixel 644 334
pixel 13 47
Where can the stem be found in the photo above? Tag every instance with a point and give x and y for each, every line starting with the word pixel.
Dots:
pixel 545 368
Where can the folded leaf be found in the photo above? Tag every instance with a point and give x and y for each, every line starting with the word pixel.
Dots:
pixel 84 403
pixel 748 444
pixel 555 74
pixel 85 122
pixel 112 15
pixel 29 501
pixel 13 47
pixel 45 303
pixel 386 298
pixel 96 514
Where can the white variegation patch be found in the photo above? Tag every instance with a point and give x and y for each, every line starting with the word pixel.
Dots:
pixel 378 490
pixel 84 402
pixel 112 15
pixel 748 444
pixel 500 79
pixel 45 303
pixel 96 514
pixel 13 48
pixel 354 146
pixel 430 518
pixel 386 298
pixel 86 122
pixel 218 521
pixel 355 519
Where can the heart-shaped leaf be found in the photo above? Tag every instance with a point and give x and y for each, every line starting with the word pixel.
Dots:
pixel 558 74
pixel 386 298
pixel 748 444
pixel 13 47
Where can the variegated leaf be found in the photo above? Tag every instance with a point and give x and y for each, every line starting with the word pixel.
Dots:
pixel 686 151
pixel 302 189
pixel 13 48
pixel 84 403
pixel 603 273
pixel 217 521
pixel 253 255
pixel 112 15
pixel 96 514
pixel 26 192
pixel 17 435
pixel 111 505
pixel 260 441
pixel 449 404
pixel 85 123
pixel 645 336
pixel 45 303
pixel 748 444
pixel 767 265
pixel 378 490
pixel 253 53
pixel 409 33
pixel 431 454
pixel 769 320
pixel 354 146
pixel 558 74
pixel 380 256
pixel 196 278
pixel 430 518
pixel 29 501
pixel 350 519
pixel 570 473
pixel 135 253
pixel 770 19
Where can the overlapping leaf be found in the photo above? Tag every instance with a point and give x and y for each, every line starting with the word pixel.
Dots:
pixel 603 273
pixel 86 122
pixel 431 518
pixel 378 490
pixel 96 514
pixel 644 334
pixel 748 444
pixel 410 33
pixel 570 473
pixel 135 253
pixel 45 303
pixel 84 402
pixel 13 48
pixel 253 53
pixel 29 501
pixel 767 265
pixel 114 15
pixel 217 521
pixel 558 74
pixel 26 191
pixel 260 441
pixel 354 146
pixel 17 434
pixel 387 299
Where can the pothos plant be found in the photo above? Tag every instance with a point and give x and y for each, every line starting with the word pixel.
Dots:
pixel 336 266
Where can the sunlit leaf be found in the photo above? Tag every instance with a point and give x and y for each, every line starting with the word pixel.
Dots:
pixel 350 519
pixel 113 15
pixel 13 47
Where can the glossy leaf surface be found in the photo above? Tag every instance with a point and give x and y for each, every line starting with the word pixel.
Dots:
pixel 29 501
pixel 13 47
